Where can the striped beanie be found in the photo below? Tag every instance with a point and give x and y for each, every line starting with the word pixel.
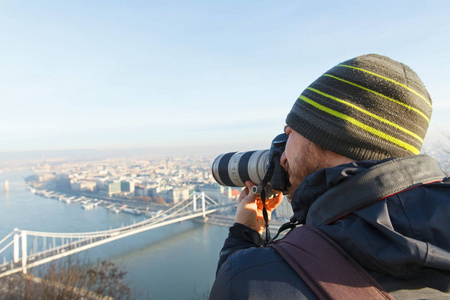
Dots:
pixel 369 107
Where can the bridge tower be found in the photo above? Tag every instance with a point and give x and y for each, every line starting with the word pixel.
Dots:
pixel 202 197
pixel 20 236
pixel 6 186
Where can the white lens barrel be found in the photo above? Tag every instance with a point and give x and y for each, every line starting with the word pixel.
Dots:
pixel 235 168
pixel 257 166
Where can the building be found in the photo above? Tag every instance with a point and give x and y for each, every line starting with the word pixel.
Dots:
pixel 114 188
pixel 84 186
pixel 180 194
pixel 175 195
pixel 127 186
pixel 217 192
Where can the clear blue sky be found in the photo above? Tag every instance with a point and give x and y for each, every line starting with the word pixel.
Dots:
pixel 223 74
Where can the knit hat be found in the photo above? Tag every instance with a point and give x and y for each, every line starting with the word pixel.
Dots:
pixel 369 107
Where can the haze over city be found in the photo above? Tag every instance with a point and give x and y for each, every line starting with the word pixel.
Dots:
pixel 201 75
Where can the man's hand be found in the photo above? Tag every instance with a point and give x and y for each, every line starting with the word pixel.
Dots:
pixel 250 208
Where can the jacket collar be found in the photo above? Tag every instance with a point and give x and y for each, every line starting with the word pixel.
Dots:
pixel 316 200
pixel 319 182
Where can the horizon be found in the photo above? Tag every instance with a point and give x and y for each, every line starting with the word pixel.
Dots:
pixel 437 150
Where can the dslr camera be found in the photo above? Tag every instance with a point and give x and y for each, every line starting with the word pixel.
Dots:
pixel 262 167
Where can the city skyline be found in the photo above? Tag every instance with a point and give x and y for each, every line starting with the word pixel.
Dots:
pixel 175 75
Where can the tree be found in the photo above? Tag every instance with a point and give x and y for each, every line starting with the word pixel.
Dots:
pixel 68 279
pixel 159 200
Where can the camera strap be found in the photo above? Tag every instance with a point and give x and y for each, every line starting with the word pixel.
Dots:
pixel 265 216
pixel 275 153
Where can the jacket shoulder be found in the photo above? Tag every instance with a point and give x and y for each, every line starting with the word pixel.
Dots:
pixel 258 273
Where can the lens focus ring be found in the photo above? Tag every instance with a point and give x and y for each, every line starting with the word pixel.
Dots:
pixel 235 168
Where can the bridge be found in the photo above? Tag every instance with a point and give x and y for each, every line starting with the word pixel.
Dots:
pixel 7 185
pixel 29 249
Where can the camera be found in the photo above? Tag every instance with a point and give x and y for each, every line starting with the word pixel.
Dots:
pixel 262 167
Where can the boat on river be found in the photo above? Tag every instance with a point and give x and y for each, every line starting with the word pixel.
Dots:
pixel 87 206
pixel 132 211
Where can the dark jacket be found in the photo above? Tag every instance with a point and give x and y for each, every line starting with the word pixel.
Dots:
pixel 402 239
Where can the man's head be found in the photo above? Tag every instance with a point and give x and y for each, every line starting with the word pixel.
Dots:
pixel 369 107
pixel 302 157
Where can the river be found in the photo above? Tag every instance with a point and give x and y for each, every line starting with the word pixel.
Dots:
pixel 176 261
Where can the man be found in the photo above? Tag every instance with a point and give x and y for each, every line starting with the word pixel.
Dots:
pixel 355 173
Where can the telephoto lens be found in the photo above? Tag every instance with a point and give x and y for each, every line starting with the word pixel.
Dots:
pixel 235 168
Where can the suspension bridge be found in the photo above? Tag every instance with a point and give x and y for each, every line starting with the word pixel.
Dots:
pixel 27 248
pixel 7 185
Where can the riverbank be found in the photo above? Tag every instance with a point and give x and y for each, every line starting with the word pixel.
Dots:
pixel 137 208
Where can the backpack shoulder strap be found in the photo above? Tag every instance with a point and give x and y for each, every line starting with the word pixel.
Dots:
pixel 325 267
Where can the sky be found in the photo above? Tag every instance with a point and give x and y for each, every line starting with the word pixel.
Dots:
pixel 216 75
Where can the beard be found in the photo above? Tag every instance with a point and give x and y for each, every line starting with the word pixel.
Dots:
pixel 307 160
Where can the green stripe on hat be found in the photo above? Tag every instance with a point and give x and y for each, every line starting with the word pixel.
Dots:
pixel 381 95
pixel 368 113
pixel 361 125
pixel 391 80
